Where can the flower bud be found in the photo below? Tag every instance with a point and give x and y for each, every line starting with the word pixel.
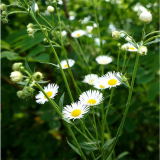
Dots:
pixel 128 39
pixel 3 7
pixel 4 20
pixel 124 79
pixel 4 13
pixel 145 17
pixel 16 76
pixel 30 30
pixel 123 47
pixel 52 33
pixel 36 7
pixel 142 50
pixel 31 35
pixel 21 94
pixel 22 68
pixel 30 25
pixel 28 91
pixel 50 9
pixel 116 35
pixel 95 25
pixel 64 33
pixel 16 66
pixel 45 40
pixel 118 44
pixel 37 76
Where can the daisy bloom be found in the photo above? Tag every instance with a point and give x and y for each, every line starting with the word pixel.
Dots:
pixel 100 83
pixel 111 79
pixel 90 79
pixel 51 90
pixel 64 64
pixel 78 33
pixel 91 97
pixel 75 110
pixel 129 47
pixel 104 60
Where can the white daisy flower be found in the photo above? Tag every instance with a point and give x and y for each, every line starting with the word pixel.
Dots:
pixel 90 79
pixel 111 79
pixel 100 83
pixel 51 90
pixel 89 29
pixel 104 60
pixel 75 110
pixel 91 97
pixel 78 33
pixel 64 64
pixel 130 47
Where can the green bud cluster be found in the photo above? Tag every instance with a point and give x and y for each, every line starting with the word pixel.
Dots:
pixel 4 13
pixel 30 30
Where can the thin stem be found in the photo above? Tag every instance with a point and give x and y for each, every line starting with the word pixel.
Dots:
pixel 125 57
pixel 150 39
pixel 118 59
pixel 127 107
pixel 151 33
pixel 55 54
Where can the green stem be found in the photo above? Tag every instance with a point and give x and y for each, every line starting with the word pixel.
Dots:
pixel 118 59
pixel 95 13
pixel 125 57
pixel 150 39
pixel 151 33
pixel 44 19
pixel 55 54
pixel 127 107
pixel 23 12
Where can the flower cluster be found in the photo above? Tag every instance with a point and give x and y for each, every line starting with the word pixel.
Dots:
pixel 4 14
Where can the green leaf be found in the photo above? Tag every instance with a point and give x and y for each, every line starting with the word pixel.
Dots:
pixel 49 63
pixel 42 57
pixel 153 91
pixel 27 67
pixel 33 8
pixel 129 124
pixel 88 147
pixel 47 116
pixel 10 55
pixel 144 79
pixel 108 143
pixel 98 156
pixel 73 147
pixel 122 155
pixel 61 102
pixel 5 45
pixel 36 50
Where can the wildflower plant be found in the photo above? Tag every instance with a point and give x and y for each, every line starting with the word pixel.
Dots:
pixel 89 101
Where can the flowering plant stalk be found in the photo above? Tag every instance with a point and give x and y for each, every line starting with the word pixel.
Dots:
pixel 91 100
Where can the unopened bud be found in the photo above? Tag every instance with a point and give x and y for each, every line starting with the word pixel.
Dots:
pixel 31 35
pixel 118 44
pixel 4 20
pixel 16 66
pixel 30 25
pixel 116 35
pixel 4 13
pixel 145 17
pixel 22 68
pixel 21 94
pixel 16 76
pixel 3 7
pixel 37 76
pixel 50 9
pixel 45 40
pixel 30 30
pixel 142 50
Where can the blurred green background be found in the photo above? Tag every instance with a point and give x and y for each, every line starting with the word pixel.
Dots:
pixel 33 131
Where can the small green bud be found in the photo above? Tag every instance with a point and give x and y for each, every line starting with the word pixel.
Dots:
pixel 4 20
pixel 116 35
pixel 37 76
pixel 27 80
pixel 16 76
pixel 142 50
pixel 118 44
pixel 124 79
pixel 30 25
pixel 22 68
pixel 3 7
pixel 4 13
pixel 30 30
pixel 16 66
pixel 31 35
pixel 45 40
pixel 52 33
pixel 21 94
pixel 44 29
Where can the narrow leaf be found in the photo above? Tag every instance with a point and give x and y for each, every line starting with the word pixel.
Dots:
pixel 41 81
pixel 122 155
pixel 73 147
pixel 155 41
pixel 27 67
pixel 108 143
pixel 67 120
pixel 88 147
pixel 61 102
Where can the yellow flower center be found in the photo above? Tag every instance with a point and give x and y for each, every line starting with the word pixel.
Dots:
pixel 76 113
pixel 104 62
pixel 101 86
pixel 132 48
pixel 91 101
pixel 91 81
pixel 112 81
pixel 49 94
pixel 78 34
pixel 66 66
